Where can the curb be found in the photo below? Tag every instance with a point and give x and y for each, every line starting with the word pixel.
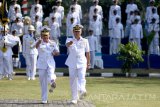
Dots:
pixel 109 75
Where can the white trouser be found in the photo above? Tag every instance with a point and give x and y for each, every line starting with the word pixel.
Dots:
pixel 111 46
pixel 1 66
pixel 77 81
pixel 6 66
pixel 137 41
pixel 98 39
pixel 31 60
pixel 154 46
pixel 45 76
pixel 127 30
pixel 15 62
pixel 92 54
pixel 116 43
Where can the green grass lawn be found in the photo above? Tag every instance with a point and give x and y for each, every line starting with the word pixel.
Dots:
pixel 22 70
pixel 103 92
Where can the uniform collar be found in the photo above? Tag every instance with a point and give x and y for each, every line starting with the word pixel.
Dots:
pixel 79 39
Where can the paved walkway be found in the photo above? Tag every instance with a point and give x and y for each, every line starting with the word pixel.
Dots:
pixel 36 103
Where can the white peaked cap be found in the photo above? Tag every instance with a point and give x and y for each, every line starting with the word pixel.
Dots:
pixel 31 27
pixel 151 0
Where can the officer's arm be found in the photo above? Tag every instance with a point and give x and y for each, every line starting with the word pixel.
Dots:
pixel 87 54
pixel 56 51
pixel 68 44
pixel 88 59
pixel 38 43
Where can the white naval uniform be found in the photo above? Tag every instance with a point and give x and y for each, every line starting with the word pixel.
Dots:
pixel 37 25
pixel 93 44
pixel 97 29
pixel 111 23
pixel 46 66
pixel 91 11
pixel 6 66
pixel 77 64
pixel 69 30
pixel 16 60
pixel 25 29
pixel 60 9
pixel 149 13
pixel 14 16
pixel 136 34
pixel 55 32
pixel 115 7
pixel 30 53
pixel 78 9
pixel 19 27
pixel 58 18
pixel 154 46
pixel 73 15
pixel 11 11
pixel 118 33
pixel 40 11
pixel 130 7
pixel 33 15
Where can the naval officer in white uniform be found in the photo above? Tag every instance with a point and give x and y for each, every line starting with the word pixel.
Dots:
pixel 78 61
pixel 6 43
pixel 47 49
pixel 30 53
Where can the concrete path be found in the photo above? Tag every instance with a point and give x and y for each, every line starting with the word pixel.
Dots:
pixel 36 103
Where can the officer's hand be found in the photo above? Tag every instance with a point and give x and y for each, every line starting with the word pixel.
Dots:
pixel 39 41
pixel 69 43
pixel 88 66
pixel 55 53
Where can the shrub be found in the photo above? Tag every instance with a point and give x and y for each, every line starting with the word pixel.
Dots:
pixel 130 54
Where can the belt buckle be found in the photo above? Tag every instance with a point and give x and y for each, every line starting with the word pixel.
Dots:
pixel 4 49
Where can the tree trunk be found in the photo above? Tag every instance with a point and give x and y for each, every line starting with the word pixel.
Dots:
pixel 148 60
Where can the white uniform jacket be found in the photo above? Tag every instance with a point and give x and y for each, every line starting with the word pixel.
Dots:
pixel 60 9
pixel 118 31
pixel 40 11
pixel 9 43
pixel 129 8
pixel 19 27
pixel 55 30
pixel 93 43
pixel 73 15
pixel 38 26
pixel 11 11
pixel 33 15
pixel 149 12
pixel 136 31
pixel 58 19
pixel 96 26
pixel 69 30
pixel 91 11
pixel 154 27
pixel 76 58
pixel 78 10
pixel 45 57
pixel 28 45
pixel 115 7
